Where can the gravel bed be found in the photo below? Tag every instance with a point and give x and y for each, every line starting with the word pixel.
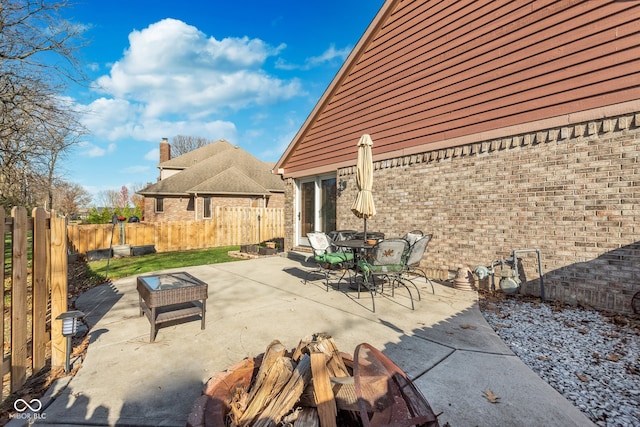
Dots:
pixel 591 358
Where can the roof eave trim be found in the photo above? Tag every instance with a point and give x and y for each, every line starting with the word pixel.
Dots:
pixel 228 193
pixel 162 193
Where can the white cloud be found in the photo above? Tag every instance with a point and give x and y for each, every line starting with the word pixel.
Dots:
pixel 329 56
pixel 95 151
pixel 117 119
pixel 281 144
pixel 91 150
pixel 136 169
pixel 172 68
pixel 153 155
pixel 110 119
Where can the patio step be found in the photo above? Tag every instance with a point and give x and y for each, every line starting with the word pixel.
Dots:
pixel 297 254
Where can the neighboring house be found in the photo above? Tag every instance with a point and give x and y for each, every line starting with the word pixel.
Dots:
pixel 496 126
pixel 218 174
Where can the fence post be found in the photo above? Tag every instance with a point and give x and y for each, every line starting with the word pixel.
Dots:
pixel 2 232
pixel 19 299
pixel 58 287
pixel 39 288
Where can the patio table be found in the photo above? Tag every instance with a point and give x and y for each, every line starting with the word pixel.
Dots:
pixel 171 296
pixel 359 248
pixel 376 235
pixel 353 244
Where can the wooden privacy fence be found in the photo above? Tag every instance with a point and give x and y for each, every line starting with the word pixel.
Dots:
pixel 24 321
pixel 228 226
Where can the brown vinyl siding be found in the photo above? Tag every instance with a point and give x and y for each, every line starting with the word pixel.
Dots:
pixel 434 71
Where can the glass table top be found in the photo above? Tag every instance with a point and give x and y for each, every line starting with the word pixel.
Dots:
pixel 166 281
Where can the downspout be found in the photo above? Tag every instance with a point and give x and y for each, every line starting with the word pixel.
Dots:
pixel 195 206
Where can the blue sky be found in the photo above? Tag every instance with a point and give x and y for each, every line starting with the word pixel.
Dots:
pixel 246 71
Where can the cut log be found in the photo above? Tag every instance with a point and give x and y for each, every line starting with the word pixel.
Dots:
pixel 324 343
pixel 243 397
pixel 289 395
pixel 324 398
pixel 269 389
pixel 335 365
pixel 344 393
pixel 307 417
pixel 274 351
pixel 302 349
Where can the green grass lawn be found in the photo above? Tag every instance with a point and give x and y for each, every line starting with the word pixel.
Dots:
pixel 134 265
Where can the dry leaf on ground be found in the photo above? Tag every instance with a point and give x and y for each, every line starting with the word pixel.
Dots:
pixel 582 378
pixel 490 396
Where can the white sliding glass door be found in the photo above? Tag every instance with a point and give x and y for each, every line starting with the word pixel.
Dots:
pixel 316 206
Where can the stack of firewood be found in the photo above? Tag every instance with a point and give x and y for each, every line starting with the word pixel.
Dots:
pixel 311 385
pixel 297 387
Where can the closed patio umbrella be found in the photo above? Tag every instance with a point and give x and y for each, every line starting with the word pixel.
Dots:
pixel 363 206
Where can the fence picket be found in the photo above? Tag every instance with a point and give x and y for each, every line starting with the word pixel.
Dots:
pixel 58 287
pixel 19 299
pixel 3 371
pixel 39 289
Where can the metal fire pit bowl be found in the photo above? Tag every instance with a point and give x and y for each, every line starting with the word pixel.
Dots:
pixel 380 384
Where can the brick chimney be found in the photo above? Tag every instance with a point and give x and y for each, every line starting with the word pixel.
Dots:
pixel 165 150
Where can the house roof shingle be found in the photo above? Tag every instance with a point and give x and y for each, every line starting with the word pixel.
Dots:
pixel 192 157
pixel 217 168
pixel 231 181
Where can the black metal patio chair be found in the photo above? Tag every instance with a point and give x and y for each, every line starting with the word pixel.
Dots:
pixel 417 248
pixel 329 259
pixel 384 262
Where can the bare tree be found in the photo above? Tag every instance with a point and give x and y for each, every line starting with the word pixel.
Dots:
pixel 31 28
pixel 137 199
pixel 70 198
pixel 58 135
pixel 123 197
pixel 181 144
pixel 108 198
pixel 37 57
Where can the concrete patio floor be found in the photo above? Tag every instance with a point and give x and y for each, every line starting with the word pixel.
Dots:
pixel 445 345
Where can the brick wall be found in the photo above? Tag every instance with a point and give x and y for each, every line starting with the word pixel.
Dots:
pixel 289 212
pixel 572 192
pixel 177 209
pixel 276 201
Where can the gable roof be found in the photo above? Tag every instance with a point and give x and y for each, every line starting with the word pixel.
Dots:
pixel 377 21
pixel 217 168
pixel 192 157
pixel 431 75
pixel 231 181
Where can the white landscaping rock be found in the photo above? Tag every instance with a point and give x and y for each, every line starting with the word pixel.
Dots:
pixel 591 360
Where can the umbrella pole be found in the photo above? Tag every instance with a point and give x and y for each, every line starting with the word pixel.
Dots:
pixel 365 229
